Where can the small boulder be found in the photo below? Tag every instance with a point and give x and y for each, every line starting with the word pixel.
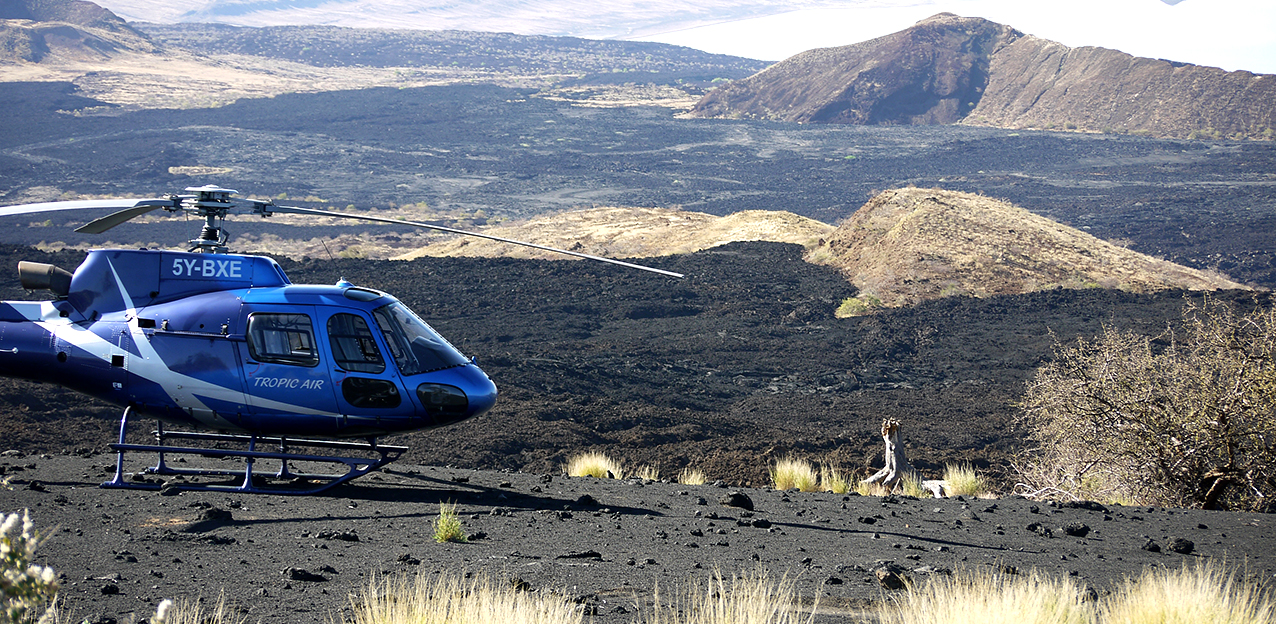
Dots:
pixel 737 499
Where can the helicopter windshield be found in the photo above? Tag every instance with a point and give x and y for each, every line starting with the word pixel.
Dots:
pixel 416 347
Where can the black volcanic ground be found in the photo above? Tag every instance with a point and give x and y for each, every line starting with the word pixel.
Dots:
pixel 739 364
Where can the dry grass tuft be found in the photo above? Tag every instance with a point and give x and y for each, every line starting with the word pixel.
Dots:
pixel 1201 594
pixel 594 465
pixel 648 473
pixel 750 599
pixel 834 480
pixel 964 481
pixel 691 476
pixel 992 599
pixel 864 488
pixel 791 473
pixel 186 611
pixel 448 599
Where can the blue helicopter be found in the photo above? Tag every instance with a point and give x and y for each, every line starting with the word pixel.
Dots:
pixel 248 365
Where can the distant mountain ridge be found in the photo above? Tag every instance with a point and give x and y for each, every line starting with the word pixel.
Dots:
pixel 951 69
pixel 32 30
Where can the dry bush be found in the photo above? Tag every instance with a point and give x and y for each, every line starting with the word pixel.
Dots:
pixel 793 473
pixel 647 473
pixel 750 599
pixel 834 480
pixel 1184 422
pixel 985 598
pixel 594 465
pixel 445 599
pixel 691 476
pixel 962 480
pixel 1202 594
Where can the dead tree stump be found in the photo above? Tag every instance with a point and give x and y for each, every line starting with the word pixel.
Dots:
pixel 897 464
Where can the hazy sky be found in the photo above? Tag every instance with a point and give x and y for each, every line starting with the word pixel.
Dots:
pixel 1232 34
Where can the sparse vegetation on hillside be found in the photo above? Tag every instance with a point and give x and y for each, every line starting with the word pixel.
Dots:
pixel 911 245
pixel 1186 420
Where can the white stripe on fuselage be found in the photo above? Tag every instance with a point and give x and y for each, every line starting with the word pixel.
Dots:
pixel 148 364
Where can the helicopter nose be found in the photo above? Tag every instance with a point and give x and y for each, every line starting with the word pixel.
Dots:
pixel 482 393
pixel 467 393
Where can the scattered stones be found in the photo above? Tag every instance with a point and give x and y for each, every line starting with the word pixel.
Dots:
pixel 1087 505
pixel 343 536
pixel 1076 529
pixel 585 500
pixel 890 575
pixel 301 574
pixel 1040 529
pixel 1151 546
pixel 1181 546
pixel 584 554
pixel 110 589
pixel 738 499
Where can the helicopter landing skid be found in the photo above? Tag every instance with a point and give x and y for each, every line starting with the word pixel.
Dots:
pixel 245 480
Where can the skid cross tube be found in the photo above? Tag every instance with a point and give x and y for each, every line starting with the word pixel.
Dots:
pixel 248 482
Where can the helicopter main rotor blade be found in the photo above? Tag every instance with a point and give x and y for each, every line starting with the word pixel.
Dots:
pixel 97 226
pixel 87 204
pixel 266 209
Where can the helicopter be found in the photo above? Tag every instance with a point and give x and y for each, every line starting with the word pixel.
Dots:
pixel 239 362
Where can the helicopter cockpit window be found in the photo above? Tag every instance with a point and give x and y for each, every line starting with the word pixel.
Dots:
pixel 353 346
pixel 282 339
pixel 416 347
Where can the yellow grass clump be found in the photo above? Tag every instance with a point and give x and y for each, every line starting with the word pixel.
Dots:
pixel 793 473
pixel 450 599
pixel 962 480
pixel 691 476
pixel 834 480
pixel 750 599
pixel 594 465
pixel 1201 594
pixel 648 473
pixel 992 599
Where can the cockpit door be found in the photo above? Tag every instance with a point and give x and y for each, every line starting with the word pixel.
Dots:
pixel 369 391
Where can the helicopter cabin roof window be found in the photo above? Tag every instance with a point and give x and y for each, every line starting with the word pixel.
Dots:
pixel 282 339
pixel 415 346
pixel 353 346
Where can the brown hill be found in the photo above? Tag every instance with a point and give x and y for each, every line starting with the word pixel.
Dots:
pixel 633 233
pixel 33 30
pixel 911 245
pixel 949 69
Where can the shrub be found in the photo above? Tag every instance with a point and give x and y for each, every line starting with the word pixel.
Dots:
pixel 183 611
pixel 447 599
pixel 1202 594
pixel 648 473
pixel 28 588
pixel 594 465
pixel 857 306
pixel 750 599
pixel 447 527
pixel 691 476
pixel 910 484
pixel 1190 595
pixel 833 480
pixel 964 481
pixel 988 598
pixel 791 473
pixel 1188 424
